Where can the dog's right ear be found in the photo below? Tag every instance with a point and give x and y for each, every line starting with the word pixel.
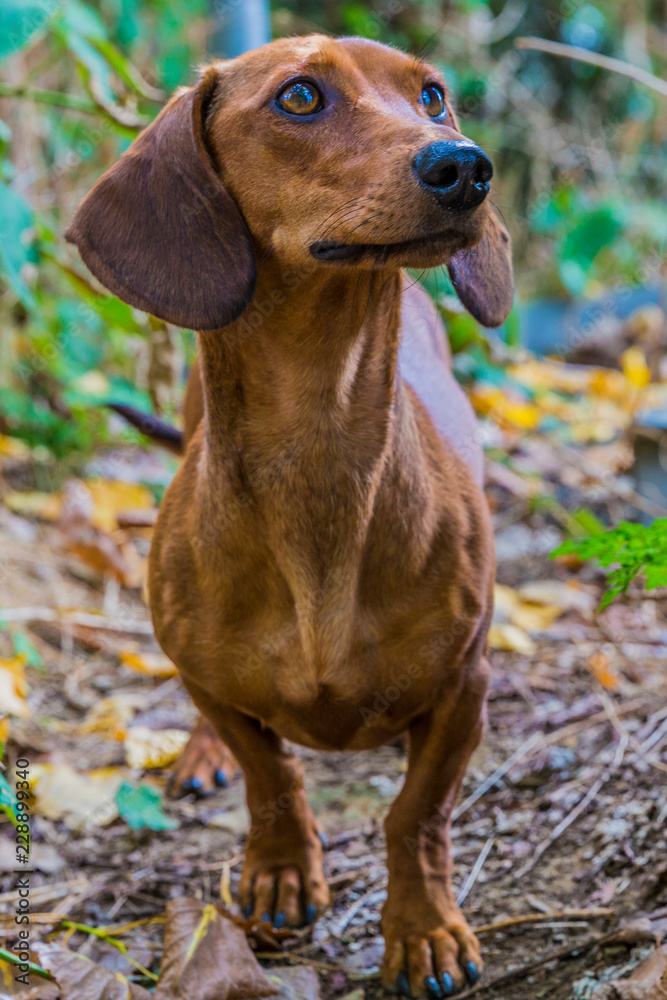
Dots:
pixel 159 229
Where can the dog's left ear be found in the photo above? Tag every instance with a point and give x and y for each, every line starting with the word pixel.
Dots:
pixel 483 277
pixel 160 230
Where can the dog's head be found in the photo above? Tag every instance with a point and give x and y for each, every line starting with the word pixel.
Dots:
pixel 331 153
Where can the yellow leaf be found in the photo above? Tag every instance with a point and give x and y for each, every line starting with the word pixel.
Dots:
pixel 527 615
pixel 111 497
pixel 510 638
pixel 152 664
pixel 147 748
pixel 14 448
pixel 608 382
pixel 635 369
pixel 496 404
pixel 599 667
pixel 556 375
pixel 5 729
pixel 13 687
pixel 82 800
pixel 45 506
pixel 110 716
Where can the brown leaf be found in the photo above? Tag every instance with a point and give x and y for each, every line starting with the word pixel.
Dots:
pixel 301 983
pixel 43 990
pixel 208 957
pixel 81 979
pixel 647 982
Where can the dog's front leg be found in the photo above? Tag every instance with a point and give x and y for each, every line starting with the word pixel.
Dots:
pixel 429 948
pixel 282 878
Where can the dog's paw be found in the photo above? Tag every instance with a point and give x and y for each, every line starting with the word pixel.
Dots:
pixel 285 896
pixel 205 765
pixel 439 963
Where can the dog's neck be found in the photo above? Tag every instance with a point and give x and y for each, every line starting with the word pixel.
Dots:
pixel 314 353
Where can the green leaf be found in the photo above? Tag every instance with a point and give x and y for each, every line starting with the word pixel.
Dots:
pixel 16 242
pixel 19 21
pixel 25 647
pixel 141 808
pixel 8 801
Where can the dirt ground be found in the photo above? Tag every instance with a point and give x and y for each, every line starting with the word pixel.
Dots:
pixel 560 842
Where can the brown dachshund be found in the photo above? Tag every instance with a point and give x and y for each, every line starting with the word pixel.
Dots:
pixel 322 567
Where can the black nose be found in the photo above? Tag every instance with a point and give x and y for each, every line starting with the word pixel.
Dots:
pixel 456 171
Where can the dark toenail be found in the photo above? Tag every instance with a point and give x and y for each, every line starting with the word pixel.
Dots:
pixel 311 913
pixel 266 918
pixel 196 784
pixel 447 984
pixel 323 840
pixel 247 911
pixel 221 778
pixel 432 988
pixel 279 921
pixel 402 985
pixel 187 785
pixel 473 972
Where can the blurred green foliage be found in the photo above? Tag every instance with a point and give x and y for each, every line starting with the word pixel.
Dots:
pixel 579 155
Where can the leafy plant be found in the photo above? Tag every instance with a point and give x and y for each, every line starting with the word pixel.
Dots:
pixel 630 548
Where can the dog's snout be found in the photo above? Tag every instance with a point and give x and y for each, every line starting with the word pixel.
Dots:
pixel 457 172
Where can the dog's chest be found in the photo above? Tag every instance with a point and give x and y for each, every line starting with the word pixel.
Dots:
pixel 337 659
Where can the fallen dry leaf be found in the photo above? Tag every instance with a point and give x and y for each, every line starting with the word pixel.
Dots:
pixel 567 596
pixel 510 638
pixel 110 716
pixel 81 800
pixel 44 990
pixel 208 957
pixel 152 664
pixel 146 748
pixel 647 982
pixel 635 367
pixel 504 410
pixel 112 497
pixel 81 979
pixel 44 506
pixel 528 615
pixel 301 983
pixel 599 666
pixel 88 520
pixel 13 687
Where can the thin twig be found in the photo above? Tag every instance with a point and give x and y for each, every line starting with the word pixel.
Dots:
pixel 52 97
pixel 635 73
pixel 575 813
pixel 135 627
pixel 539 963
pixel 9 956
pixel 476 869
pixel 499 772
pixel 540 918
pixel 624 734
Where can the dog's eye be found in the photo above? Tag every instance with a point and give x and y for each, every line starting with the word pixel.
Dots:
pixel 300 98
pixel 433 99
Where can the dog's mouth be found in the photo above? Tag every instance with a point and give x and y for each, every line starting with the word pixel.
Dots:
pixel 327 250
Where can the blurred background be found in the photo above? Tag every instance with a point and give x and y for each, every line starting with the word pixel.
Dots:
pixel 579 154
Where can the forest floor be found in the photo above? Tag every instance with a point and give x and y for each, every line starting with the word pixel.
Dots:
pixel 560 841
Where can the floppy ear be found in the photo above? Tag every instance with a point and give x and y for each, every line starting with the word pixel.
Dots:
pixel 483 277
pixel 159 229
